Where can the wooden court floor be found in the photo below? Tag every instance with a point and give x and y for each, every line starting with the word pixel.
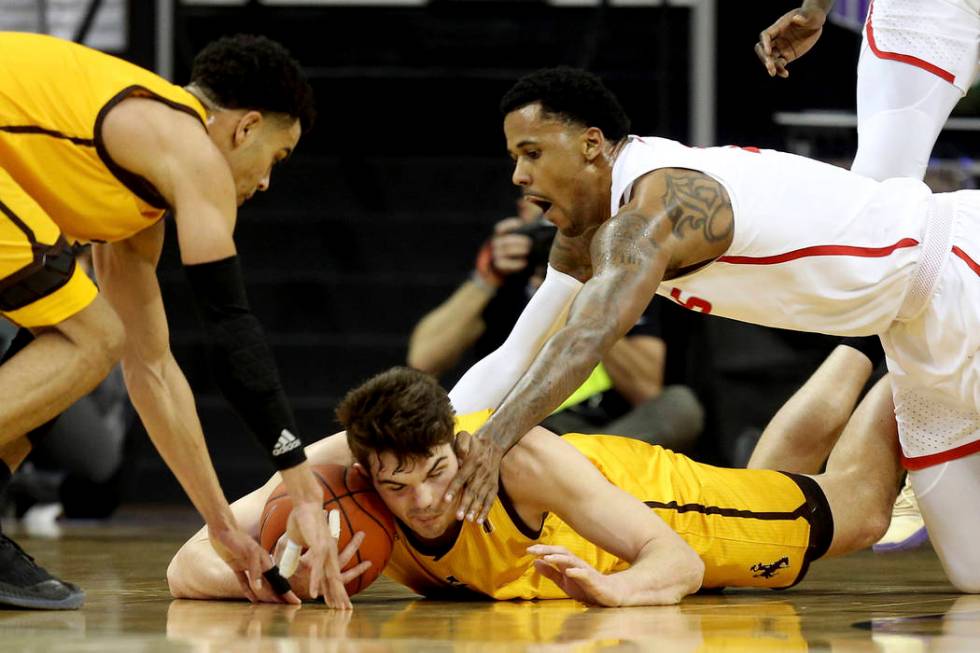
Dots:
pixel 887 604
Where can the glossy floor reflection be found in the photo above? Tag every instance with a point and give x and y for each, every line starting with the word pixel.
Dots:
pixel 885 604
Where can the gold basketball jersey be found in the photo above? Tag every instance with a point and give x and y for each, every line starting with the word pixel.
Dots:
pixel 54 96
pixel 751 527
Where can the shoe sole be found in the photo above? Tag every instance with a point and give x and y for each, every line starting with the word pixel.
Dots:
pixel 15 599
pixel 915 540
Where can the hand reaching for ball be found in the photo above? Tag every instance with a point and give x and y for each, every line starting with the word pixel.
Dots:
pixel 300 580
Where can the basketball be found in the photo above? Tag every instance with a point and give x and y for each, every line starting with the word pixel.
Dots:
pixel 361 509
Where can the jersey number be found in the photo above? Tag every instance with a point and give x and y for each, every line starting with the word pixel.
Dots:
pixel 693 303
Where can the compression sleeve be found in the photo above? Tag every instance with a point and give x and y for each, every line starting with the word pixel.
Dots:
pixel 241 359
pixel 487 383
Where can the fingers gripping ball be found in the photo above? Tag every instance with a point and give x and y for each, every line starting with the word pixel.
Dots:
pixel 360 509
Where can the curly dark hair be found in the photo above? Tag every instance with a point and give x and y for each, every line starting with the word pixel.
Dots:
pixel 573 95
pixel 254 72
pixel 401 411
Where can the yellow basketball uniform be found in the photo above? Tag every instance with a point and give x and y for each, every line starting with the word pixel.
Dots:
pixel 752 528
pixel 58 184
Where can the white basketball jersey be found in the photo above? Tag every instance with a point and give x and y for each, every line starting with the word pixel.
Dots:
pixel 815 247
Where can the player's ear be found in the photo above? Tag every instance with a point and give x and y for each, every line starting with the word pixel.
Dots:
pixel 592 142
pixel 246 127
pixel 359 468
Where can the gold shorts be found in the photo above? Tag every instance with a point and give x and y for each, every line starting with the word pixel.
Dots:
pixel 752 527
pixel 40 285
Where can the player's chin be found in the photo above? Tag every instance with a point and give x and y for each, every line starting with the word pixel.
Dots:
pixel 430 527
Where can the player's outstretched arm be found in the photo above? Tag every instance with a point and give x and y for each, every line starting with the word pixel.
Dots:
pixel 792 36
pixel 127 273
pixel 193 176
pixel 677 219
pixel 625 279
pixel 544 473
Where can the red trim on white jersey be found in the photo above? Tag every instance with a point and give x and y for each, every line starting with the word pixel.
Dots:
pixel 904 58
pixel 921 462
pixel 966 257
pixel 821 250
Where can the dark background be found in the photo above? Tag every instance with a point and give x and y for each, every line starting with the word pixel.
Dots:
pixel 376 218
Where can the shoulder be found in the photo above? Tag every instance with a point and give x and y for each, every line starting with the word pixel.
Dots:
pixel 169 148
pixel 527 468
pixel 145 118
pixel 142 134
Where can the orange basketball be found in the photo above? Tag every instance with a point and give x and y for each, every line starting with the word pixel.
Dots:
pixel 361 509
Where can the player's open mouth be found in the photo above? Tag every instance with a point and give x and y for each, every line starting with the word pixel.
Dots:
pixel 540 202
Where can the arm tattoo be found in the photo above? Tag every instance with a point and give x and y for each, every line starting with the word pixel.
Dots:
pixel 697 202
pixel 620 241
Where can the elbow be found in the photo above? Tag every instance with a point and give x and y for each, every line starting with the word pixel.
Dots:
pixel 180 573
pixel 695 574
pixel 175 578
pixel 690 578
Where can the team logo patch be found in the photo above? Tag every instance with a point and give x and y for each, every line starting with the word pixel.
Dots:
pixel 762 570
pixel 287 442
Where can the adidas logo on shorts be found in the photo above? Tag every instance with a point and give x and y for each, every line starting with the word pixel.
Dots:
pixel 287 442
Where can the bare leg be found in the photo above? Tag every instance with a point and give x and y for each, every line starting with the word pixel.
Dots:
pixel 62 364
pixel 802 433
pixel 863 473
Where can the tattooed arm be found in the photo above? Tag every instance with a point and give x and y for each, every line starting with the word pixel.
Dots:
pixel 677 219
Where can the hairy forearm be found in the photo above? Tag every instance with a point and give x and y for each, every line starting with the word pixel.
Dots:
pixel 164 401
pixel 636 367
pixel 663 573
pixel 441 337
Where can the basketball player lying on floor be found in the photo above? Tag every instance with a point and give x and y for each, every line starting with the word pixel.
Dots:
pixel 602 519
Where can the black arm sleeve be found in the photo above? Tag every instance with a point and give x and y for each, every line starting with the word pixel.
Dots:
pixel 242 361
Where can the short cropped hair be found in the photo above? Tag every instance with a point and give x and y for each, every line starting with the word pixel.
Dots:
pixel 401 411
pixel 254 72
pixel 573 95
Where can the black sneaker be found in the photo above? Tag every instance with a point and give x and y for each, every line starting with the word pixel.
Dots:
pixel 23 584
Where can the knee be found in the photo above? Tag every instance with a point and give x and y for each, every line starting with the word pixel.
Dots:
pixel 874 527
pixel 966 580
pixel 862 516
pixel 109 343
pixel 101 335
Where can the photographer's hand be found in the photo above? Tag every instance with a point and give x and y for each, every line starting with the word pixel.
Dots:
pixel 503 254
pixel 510 250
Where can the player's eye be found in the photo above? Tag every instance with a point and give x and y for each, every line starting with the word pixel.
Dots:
pixel 533 154
pixel 436 473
